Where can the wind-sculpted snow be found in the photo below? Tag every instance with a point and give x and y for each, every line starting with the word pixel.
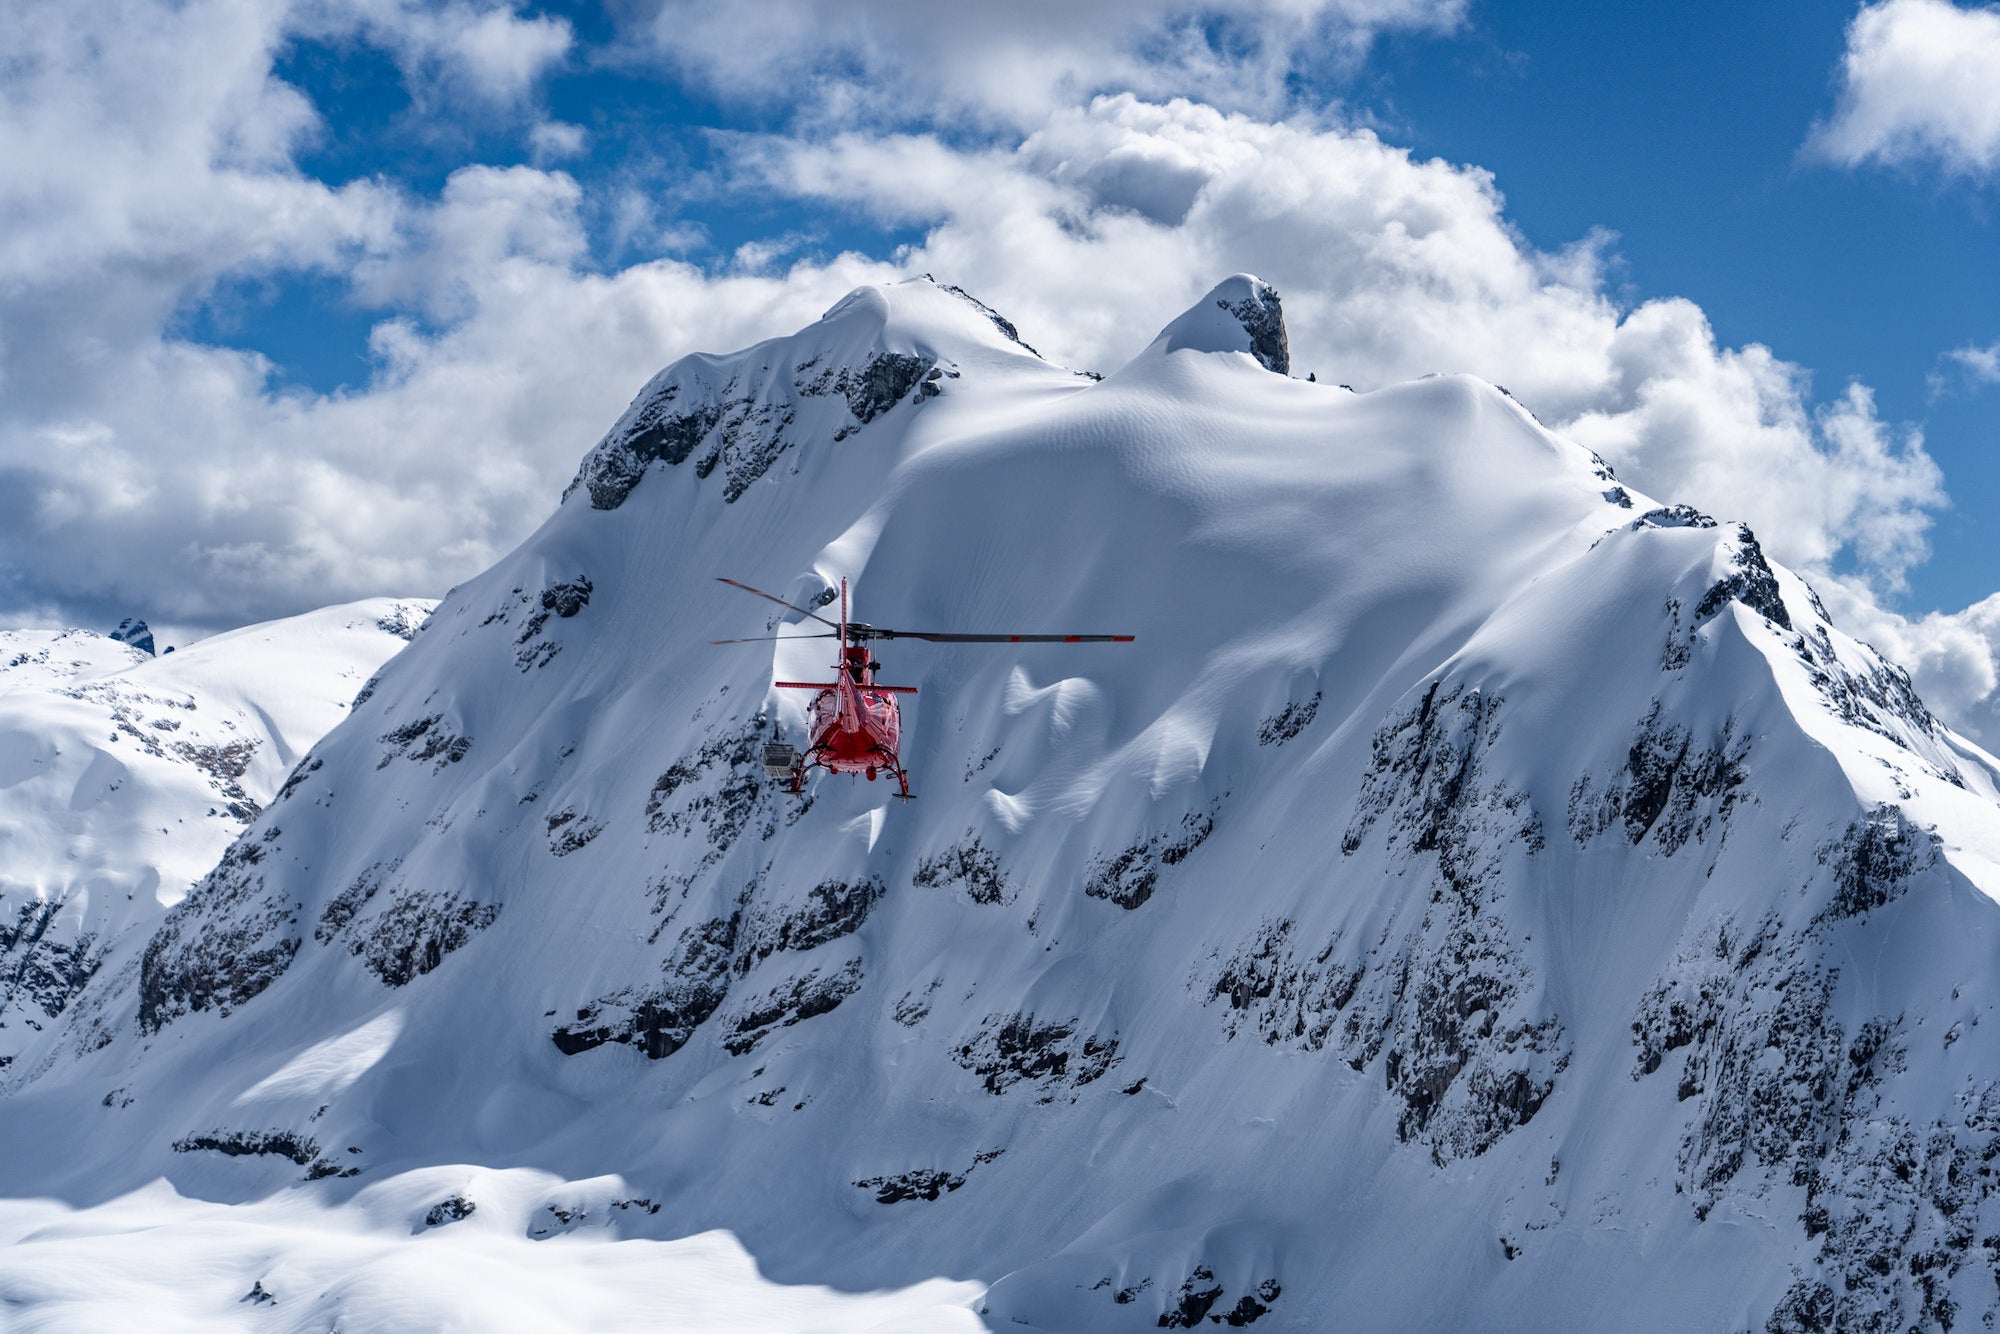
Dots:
pixel 1483 897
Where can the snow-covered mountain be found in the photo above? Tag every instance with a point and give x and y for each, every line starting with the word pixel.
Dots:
pixel 123 777
pixel 1484 897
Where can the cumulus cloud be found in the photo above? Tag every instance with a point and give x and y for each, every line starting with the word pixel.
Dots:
pixel 489 52
pixel 1013 60
pixel 151 156
pixel 1918 85
pixel 1971 366
pixel 142 471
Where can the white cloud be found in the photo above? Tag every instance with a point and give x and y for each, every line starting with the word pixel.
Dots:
pixel 488 52
pixel 1977 366
pixel 1920 82
pixel 552 140
pixel 141 471
pixel 1014 60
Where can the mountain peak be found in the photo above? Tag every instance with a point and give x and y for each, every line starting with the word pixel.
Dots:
pixel 135 632
pixel 877 347
pixel 1241 313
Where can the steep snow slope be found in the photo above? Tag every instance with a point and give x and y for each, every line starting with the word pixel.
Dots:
pixel 124 777
pixel 58 657
pixel 1483 897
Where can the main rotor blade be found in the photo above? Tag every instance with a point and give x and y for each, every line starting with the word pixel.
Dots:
pixel 948 637
pixel 770 639
pixel 831 625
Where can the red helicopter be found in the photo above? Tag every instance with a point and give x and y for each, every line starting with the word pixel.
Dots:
pixel 854 721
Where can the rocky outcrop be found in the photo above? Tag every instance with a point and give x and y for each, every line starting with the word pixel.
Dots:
pixel 1670 788
pixel 1129 876
pixel 1050 1055
pixel 427 740
pixel 1263 319
pixel 742 425
pixel 223 944
pixel 832 909
pixel 134 631
pixel 660 1019
pixel 968 865
pixel 923 1183
pixel 793 1001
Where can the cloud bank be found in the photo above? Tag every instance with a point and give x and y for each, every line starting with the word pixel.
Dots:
pixel 142 470
pixel 1920 84
pixel 1011 61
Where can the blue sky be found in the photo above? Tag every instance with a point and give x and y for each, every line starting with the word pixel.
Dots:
pixel 318 298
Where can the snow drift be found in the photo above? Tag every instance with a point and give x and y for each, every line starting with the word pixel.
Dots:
pixel 1483 897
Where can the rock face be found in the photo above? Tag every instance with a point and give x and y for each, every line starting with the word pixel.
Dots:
pixel 133 631
pixel 1511 877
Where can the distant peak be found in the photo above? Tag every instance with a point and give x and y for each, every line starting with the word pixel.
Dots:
pixel 1241 313
pixel 134 631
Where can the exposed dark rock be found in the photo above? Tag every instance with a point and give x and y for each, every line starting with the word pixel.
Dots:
pixel 1877 695
pixel 416 930
pixel 225 764
pixel 341 908
pixel 1807 1308
pixel 39 969
pixel 1673 516
pixel 1285 1000
pixel 133 631
pixel 1000 322
pixel 403 621
pixel 1288 722
pixel 1018 1048
pixel 716 793
pixel 881 384
pixel 915 1007
pixel 739 427
pixel 1250 1306
pixel 223 944
pixel 833 908
pixel 450 1211
pixel 1749 581
pixel 969 864
pixel 297 1148
pixel 1874 861
pixel 922 1183
pixel 1198 1295
pixel 562 600
pixel 1129 877
pixel 659 1020
pixel 426 740
pixel 305 769
pixel 1669 787
pixel 1263 318
pixel 1468 1046
pixel 570 830
pixel 1780 1094
pixel 805 997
